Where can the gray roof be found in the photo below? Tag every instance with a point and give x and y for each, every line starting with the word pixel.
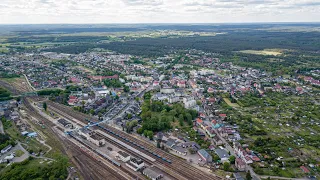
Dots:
pixel 153 172
pixel 123 154
pixel 237 176
pixel 204 153
pixel 170 142
pixel 222 153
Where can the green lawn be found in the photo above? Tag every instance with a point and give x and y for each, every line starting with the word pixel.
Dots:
pixel 19 153
pixel 230 103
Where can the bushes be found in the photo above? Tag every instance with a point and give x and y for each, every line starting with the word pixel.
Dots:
pixel 29 169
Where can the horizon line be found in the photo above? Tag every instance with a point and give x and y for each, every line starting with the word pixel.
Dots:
pixel 192 23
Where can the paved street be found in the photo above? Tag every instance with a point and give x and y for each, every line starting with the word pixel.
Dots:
pixel 15 148
pixel 1 128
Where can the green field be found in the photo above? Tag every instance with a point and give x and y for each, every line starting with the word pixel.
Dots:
pixel 266 52
pixel 230 103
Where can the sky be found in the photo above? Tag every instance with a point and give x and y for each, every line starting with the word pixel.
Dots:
pixel 157 11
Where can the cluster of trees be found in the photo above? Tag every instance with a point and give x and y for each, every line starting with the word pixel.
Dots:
pixel 31 170
pixel 113 83
pixel 59 95
pixel 4 94
pixel 130 125
pixel 158 116
pixel 8 75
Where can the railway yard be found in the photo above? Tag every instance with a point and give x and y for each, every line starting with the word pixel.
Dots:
pixel 95 162
pixel 173 166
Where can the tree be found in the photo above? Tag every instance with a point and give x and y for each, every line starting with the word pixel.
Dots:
pixel 99 115
pixel 140 131
pixel 145 133
pixel 232 159
pixel 226 166
pixel 150 135
pixel 248 176
pixel 91 111
pixel 45 106
pixel 129 116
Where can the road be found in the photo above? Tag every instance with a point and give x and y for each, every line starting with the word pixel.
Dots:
pixel 15 148
pixel 1 128
pixel 278 177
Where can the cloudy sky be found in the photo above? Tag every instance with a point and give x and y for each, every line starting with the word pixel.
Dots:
pixel 157 11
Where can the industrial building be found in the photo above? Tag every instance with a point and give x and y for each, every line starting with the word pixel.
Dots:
pixel 65 123
pixel 92 136
pixel 6 149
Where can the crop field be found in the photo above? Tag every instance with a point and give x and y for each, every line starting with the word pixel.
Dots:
pixel 266 52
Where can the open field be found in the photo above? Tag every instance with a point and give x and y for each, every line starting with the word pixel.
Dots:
pixel 230 103
pixel 266 52
pixel 19 83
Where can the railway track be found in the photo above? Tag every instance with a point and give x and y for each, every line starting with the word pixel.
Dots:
pixel 90 168
pixel 178 165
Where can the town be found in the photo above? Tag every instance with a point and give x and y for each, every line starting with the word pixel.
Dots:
pixel 153 117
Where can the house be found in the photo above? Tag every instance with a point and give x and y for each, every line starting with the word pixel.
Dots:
pixel 153 173
pixel 240 164
pixel 237 176
pixel 179 150
pixel 210 132
pixel 65 123
pixel 167 90
pixel 190 144
pixel 304 169
pixel 123 156
pixel 223 155
pixel 204 155
pixel 247 160
pixel 135 164
pixel 217 140
pixel 181 84
pixel 170 143
pixel 6 149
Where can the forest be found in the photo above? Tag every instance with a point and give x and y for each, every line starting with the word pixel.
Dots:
pixel 224 44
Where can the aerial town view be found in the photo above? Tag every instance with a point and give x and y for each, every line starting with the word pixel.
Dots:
pixel 159 94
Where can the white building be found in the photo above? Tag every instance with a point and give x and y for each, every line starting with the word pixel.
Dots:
pixel 123 156
pixel 135 164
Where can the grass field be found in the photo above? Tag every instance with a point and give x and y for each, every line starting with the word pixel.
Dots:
pixel 230 103
pixel 272 52
pixel 19 153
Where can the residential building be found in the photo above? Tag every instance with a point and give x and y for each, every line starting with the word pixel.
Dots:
pixel 204 155
pixel 223 154
pixel 240 164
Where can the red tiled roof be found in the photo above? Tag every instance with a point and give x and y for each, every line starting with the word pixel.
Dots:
pixel 199 121
pixel 304 169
